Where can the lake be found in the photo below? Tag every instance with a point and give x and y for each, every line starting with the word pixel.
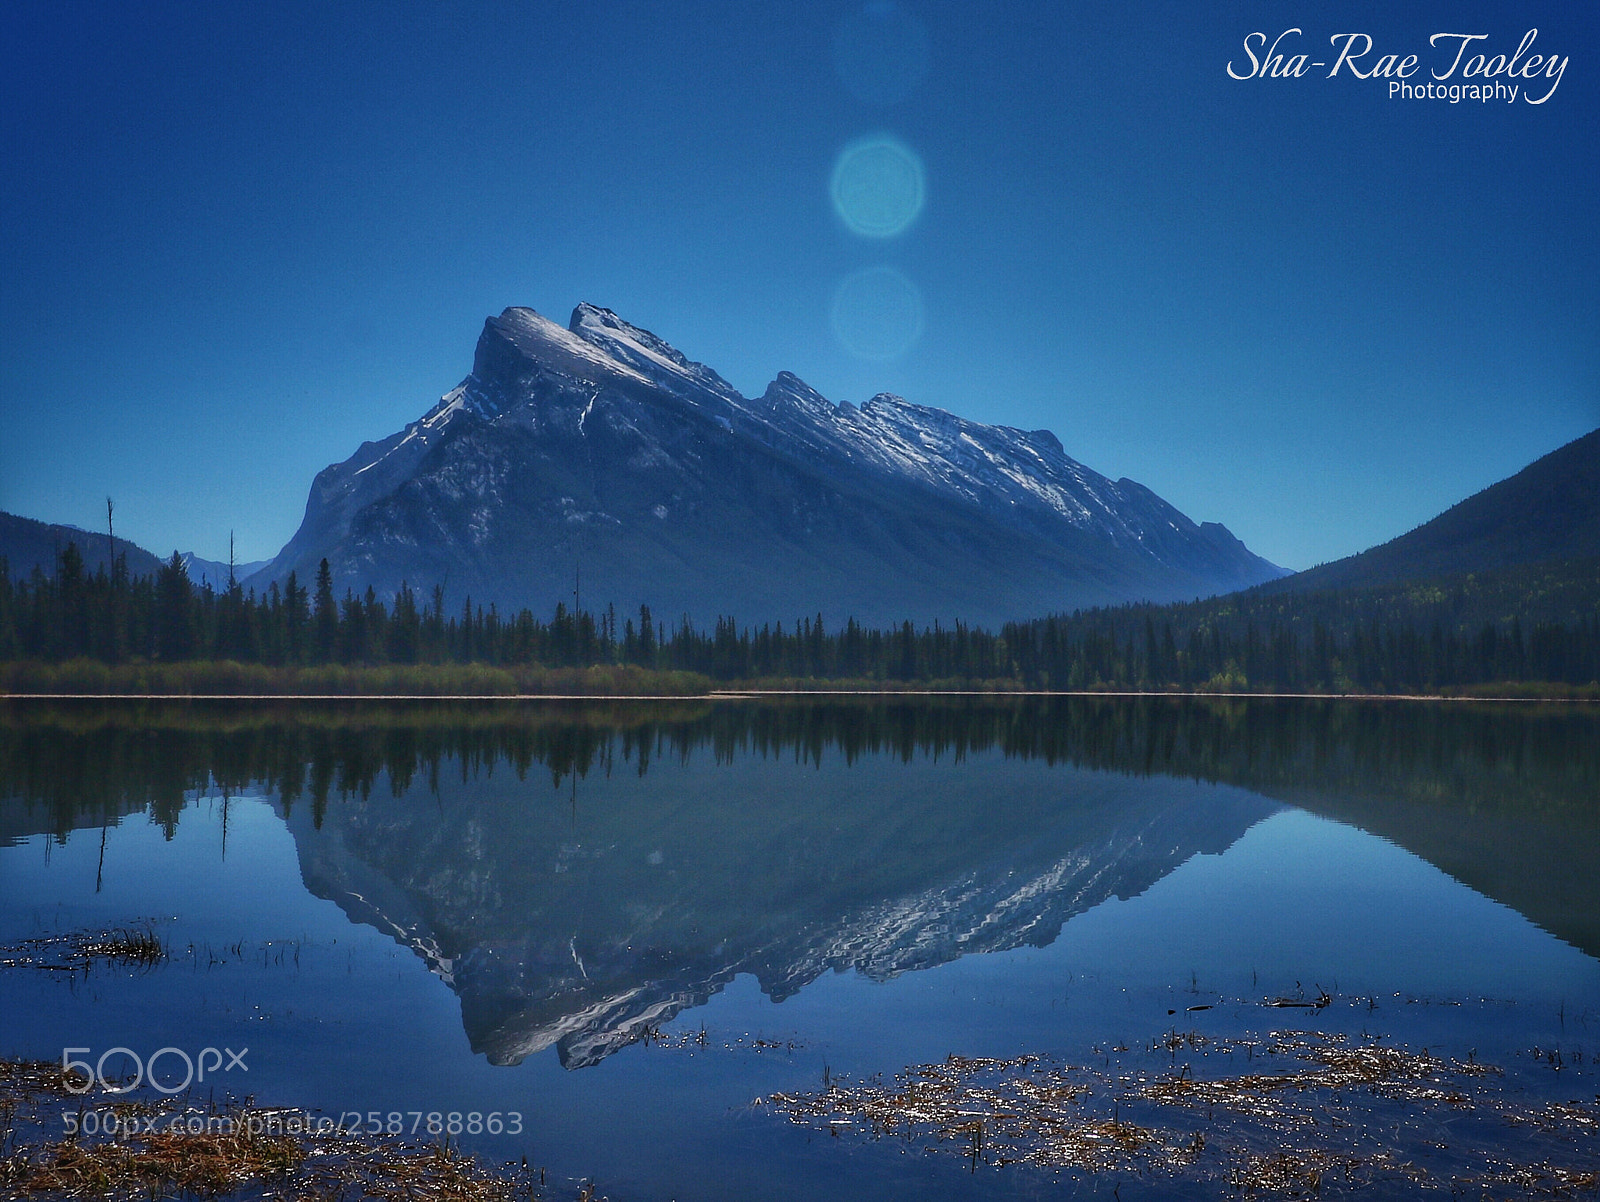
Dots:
pixel 846 948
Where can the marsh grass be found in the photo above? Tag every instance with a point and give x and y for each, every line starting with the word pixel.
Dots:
pixel 79 951
pixel 142 947
pixel 1023 1109
pixel 201 678
pixel 1314 1114
pixel 153 1165
pixel 236 1153
pixel 1415 1078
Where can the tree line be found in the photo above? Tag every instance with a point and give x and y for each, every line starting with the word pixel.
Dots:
pixel 84 767
pixel 1396 639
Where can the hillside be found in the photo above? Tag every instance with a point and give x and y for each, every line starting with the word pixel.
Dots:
pixel 1550 510
pixel 26 544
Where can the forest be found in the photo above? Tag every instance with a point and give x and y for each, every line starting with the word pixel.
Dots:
pixel 1529 625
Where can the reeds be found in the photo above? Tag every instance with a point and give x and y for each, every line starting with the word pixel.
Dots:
pixel 187 678
pixel 1314 1110
pixel 142 947
pixel 153 1164
pixel 168 1147
pixel 79 951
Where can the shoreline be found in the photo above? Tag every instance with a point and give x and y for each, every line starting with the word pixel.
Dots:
pixel 757 694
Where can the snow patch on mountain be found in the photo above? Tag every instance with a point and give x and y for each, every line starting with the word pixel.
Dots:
pixel 815 498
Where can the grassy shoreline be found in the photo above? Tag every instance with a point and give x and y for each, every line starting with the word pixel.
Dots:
pixel 154 1146
pixel 228 680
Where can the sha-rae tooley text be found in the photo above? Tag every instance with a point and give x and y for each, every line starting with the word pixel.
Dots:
pixel 1455 67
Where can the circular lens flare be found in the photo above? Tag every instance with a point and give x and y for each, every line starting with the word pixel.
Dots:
pixel 878 186
pixel 877 314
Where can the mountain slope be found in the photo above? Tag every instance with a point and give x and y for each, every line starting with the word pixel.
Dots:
pixel 597 449
pixel 1549 510
pixel 215 572
pixel 26 544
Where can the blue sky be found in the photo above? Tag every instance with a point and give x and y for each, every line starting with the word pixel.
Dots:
pixel 238 240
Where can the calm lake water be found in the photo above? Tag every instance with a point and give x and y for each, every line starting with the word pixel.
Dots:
pixel 628 923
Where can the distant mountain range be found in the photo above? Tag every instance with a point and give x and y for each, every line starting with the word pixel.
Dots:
pixel 596 460
pixel 596 457
pixel 26 544
pixel 215 571
pixel 1550 510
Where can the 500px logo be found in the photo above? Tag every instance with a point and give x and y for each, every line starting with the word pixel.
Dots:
pixel 195 1068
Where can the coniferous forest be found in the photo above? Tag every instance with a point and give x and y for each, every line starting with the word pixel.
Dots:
pixel 1529 625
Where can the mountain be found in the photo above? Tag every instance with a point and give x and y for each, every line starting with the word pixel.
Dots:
pixel 26 544
pixel 1550 510
pixel 597 455
pixel 215 571
pixel 583 928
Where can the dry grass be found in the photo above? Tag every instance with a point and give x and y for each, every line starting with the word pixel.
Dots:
pixel 1584 1120
pixel 1397 1074
pixel 1541 1180
pixel 234 1161
pixel 169 1149
pixel 156 1164
pixel 1315 1113
pixel 134 947
pixel 25 1080
pixel 1307 1172
pixel 1020 1110
pixel 226 678
pixel 141 947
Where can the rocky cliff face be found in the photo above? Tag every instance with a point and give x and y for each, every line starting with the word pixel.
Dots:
pixel 598 447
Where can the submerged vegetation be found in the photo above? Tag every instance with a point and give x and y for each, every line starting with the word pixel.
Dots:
pixel 1288 1113
pixel 73 631
pixel 134 947
pixel 1292 1113
pixel 156 1147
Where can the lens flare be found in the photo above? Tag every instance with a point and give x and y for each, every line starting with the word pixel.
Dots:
pixel 878 187
pixel 877 314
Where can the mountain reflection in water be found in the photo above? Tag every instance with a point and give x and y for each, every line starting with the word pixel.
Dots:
pixel 579 874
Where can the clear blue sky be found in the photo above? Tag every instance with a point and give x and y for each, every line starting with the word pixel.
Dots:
pixel 237 240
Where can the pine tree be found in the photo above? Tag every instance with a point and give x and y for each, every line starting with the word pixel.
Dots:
pixel 174 611
pixel 325 616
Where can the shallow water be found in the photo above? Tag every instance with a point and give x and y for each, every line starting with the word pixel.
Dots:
pixel 626 924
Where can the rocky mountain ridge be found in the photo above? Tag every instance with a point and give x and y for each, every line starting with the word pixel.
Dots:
pixel 596 451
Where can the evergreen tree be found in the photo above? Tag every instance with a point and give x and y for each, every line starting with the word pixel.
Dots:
pixel 174 627
pixel 325 616
pixel 297 619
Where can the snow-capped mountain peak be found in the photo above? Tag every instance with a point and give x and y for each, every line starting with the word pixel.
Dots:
pixel 599 442
pixel 651 357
